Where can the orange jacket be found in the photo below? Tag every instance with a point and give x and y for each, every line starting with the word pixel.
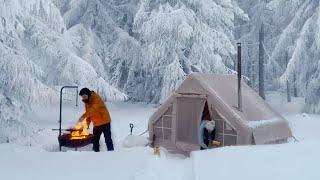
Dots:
pixel 96 111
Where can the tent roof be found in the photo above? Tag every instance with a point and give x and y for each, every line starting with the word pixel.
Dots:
pixel 225 88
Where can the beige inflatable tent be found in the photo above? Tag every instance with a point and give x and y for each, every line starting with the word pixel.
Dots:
pixel 175 124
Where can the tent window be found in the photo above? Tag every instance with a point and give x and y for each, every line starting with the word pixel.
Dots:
pixel 225 133
pixel 228 127
pixel 167 121
pixel 163 127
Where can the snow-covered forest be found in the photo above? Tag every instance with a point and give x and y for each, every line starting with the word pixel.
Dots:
pixel 291 46
pixel 141 50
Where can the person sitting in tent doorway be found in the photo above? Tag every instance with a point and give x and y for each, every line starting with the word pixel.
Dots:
pixel 207 129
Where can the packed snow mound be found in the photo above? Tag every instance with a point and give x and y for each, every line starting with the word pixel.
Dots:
pixel 278 162
pixel 135 141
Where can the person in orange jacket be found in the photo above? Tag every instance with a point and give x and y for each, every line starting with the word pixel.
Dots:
pixel 98 114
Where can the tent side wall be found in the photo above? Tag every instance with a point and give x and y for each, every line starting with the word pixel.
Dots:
pixel 272 132
pixel 162 125
pixel 157 115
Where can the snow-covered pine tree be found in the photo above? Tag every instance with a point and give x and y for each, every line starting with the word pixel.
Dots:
pixel 291 26
pixel 180 37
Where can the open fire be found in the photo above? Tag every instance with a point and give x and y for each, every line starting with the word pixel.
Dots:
pixel 80 131
pixel 79 136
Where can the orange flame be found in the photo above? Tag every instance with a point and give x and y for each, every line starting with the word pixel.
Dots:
pixel 81 131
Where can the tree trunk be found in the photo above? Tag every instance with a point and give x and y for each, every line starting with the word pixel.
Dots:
pixel 288 85
pixel 261 62
pixel 295 90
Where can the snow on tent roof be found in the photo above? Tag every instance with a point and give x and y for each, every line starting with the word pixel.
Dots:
pixel 224 87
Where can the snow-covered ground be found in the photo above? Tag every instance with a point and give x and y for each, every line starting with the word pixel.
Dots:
pixel 41 160
pixel 122 115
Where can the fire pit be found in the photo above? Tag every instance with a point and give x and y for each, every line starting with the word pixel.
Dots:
pixel 67 140
pixel 79 136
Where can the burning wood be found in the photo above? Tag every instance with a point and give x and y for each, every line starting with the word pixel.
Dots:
pixel 80 131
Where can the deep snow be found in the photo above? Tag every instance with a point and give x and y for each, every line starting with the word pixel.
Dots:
pixel 293 160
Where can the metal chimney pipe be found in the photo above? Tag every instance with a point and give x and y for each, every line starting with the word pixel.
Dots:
pixel 239 77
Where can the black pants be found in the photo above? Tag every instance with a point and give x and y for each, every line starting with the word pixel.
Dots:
pixel 97 131
pixel 206 137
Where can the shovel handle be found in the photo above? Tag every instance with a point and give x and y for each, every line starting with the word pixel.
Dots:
pixel 131 128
